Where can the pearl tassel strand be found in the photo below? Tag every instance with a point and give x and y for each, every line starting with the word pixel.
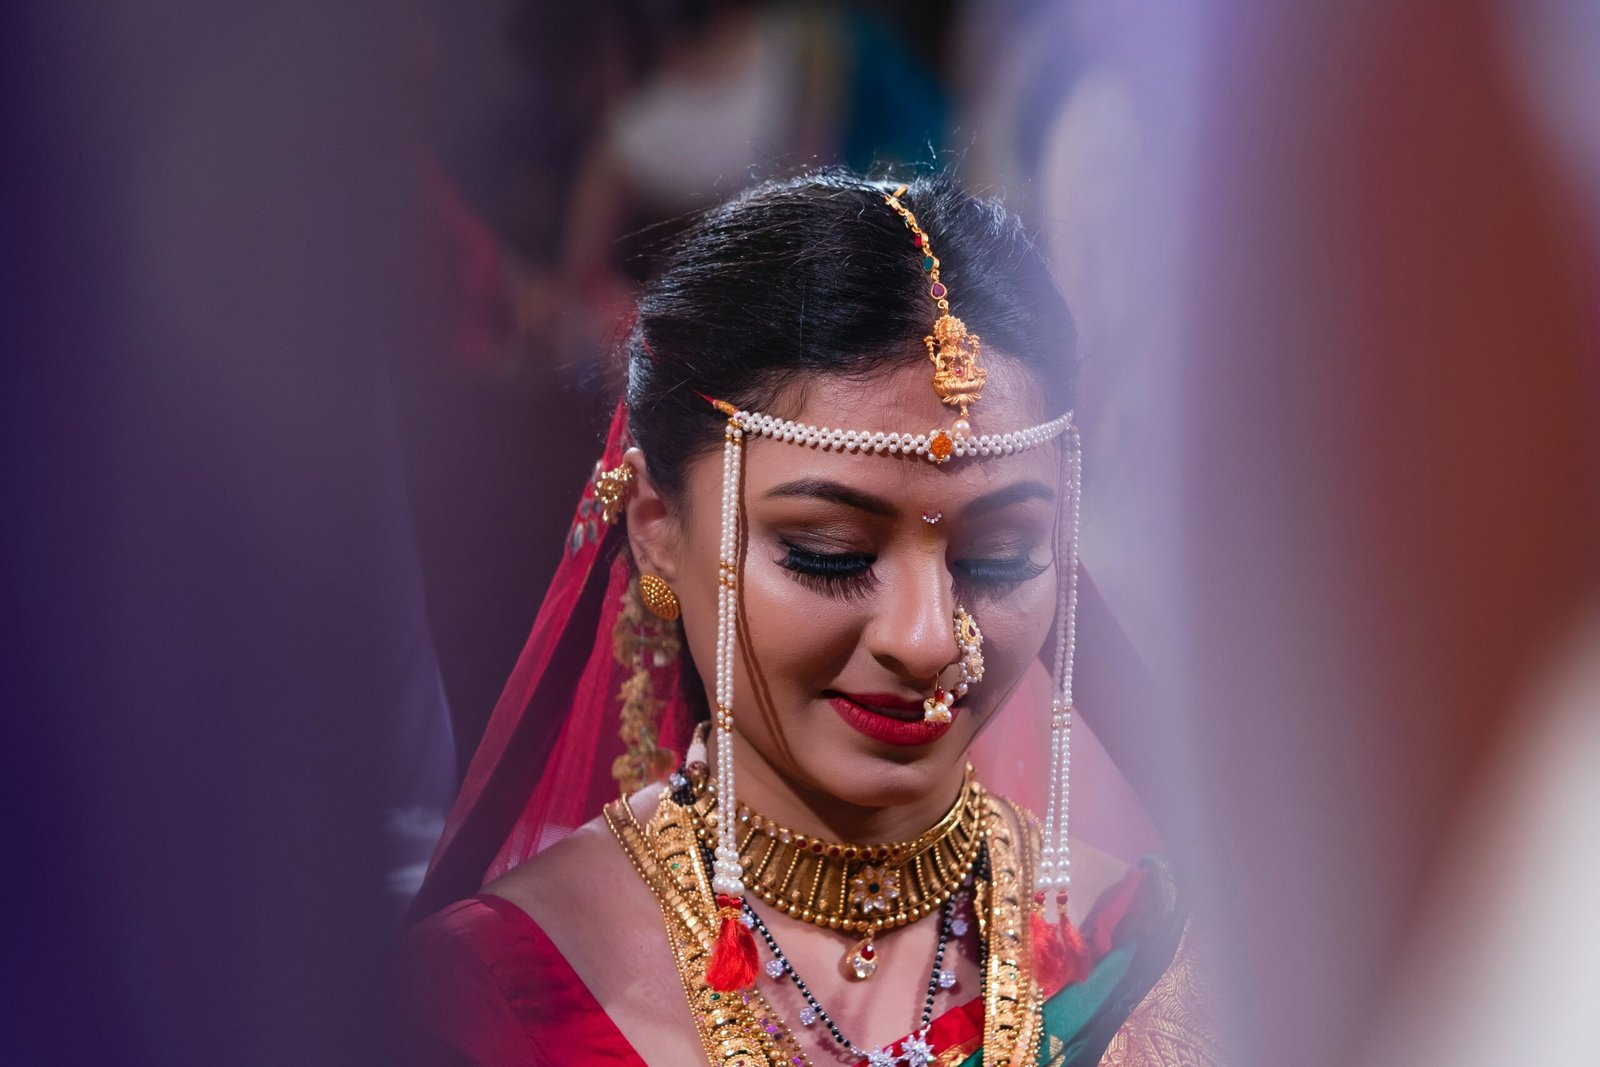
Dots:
pixel 731 966
pixel 1055 875
pixel 727 872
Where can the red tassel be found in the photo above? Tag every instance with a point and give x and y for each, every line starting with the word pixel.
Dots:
pixel 732 965
pixel 1049 955
pixel 1060 956
pixel 1074 950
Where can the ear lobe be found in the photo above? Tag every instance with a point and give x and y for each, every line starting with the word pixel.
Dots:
pixel 652 528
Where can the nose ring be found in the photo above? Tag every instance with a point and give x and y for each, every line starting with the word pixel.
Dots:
pixel 969 667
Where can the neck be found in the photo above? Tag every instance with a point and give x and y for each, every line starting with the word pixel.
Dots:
pixel 806 809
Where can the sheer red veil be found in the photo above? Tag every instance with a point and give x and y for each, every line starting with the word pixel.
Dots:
pixel 545 764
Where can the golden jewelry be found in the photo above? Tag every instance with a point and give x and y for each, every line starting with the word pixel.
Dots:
pixel 611 489
pixel 666 854
pixel 659 597
pixel 859 889
pixel 969 668
pixel 669 858
pixel 644 644
pixel 958 378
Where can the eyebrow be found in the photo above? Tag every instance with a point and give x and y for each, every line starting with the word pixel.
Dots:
pixel 822 489
pixel 1011 494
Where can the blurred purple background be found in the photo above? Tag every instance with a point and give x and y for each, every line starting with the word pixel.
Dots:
pixel 306 321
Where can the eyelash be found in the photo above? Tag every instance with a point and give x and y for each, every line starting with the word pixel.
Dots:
pixel 999 576
pixel 843 574
pixel 849 574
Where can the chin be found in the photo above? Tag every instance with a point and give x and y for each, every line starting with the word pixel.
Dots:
pixel 867 776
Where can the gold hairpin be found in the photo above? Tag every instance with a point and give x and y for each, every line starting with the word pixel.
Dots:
pixel 958 378
pixel 611 489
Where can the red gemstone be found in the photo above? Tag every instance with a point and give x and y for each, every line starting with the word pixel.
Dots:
pixel 938 290
pixel 868 952
pixel 816 846
pixel 917 240
pixel 833 850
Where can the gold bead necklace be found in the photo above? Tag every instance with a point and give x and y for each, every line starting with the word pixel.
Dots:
pixel 862 889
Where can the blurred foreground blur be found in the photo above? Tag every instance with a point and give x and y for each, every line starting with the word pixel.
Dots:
pixel 305 323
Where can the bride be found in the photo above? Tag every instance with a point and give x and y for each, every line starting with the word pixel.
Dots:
pixel 778 640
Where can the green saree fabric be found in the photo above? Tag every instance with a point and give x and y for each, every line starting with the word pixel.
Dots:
pixel 1081 1019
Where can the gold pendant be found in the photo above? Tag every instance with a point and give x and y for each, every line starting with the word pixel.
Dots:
pixel 862 959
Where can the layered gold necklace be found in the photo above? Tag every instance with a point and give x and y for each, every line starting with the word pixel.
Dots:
pixel 669 854
pixel 860 889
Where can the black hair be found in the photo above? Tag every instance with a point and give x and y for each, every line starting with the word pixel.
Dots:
pixel 815 273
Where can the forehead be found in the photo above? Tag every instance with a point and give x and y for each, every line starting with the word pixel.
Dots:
pixel 901 399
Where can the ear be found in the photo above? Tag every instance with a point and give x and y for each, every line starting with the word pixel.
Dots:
pixel 653 533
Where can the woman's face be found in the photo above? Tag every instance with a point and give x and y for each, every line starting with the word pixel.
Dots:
pixel 848 591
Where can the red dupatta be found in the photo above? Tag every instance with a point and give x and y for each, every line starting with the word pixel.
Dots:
pixel 544 765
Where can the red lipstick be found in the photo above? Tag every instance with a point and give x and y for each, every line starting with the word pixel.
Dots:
pixel 891 719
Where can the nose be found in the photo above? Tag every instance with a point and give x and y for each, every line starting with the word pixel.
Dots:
pixel 912 632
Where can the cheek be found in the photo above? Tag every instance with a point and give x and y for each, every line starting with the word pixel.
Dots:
pixel 1014 630
pixel 792 636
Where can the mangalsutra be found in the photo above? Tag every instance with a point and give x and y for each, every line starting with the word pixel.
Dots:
pixel 915 1049
pixel 859 889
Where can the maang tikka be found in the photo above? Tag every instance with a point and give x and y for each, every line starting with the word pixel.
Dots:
pixel 958 380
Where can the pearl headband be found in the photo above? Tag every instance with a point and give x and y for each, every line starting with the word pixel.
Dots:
pixel 938 445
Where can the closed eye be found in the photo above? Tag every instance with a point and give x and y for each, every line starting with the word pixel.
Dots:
pixel 838 574
pixel 997 576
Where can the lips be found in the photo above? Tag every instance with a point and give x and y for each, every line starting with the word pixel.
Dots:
pixel 891 719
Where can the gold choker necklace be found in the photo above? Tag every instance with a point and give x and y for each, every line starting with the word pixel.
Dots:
pixel 860 889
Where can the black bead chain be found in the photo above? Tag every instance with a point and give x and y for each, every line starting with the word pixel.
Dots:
pixel 683 794
pixel 945 913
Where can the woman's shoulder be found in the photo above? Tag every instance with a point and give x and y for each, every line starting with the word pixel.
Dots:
pixel 485 984
pixel 525 965
pixel 559 887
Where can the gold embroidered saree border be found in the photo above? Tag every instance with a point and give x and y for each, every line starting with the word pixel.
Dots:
pixel 666 855
pixel 1013 1004
pixel 1175 1024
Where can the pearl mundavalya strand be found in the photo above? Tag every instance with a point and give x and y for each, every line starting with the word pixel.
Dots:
pixel 1054 872
pixel 727 873
pixel 1054 875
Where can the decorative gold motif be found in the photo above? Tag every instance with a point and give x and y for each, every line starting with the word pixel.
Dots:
pixel 666 854
pixel 958 377
pixel 611 489
pixel 875 889
pixel 970 640
pixel 640 642
pixel 969 668
pixel 861 959
pixel 1174 1025
pixel 860 889
pixel 1013 1021
pixel 659 597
